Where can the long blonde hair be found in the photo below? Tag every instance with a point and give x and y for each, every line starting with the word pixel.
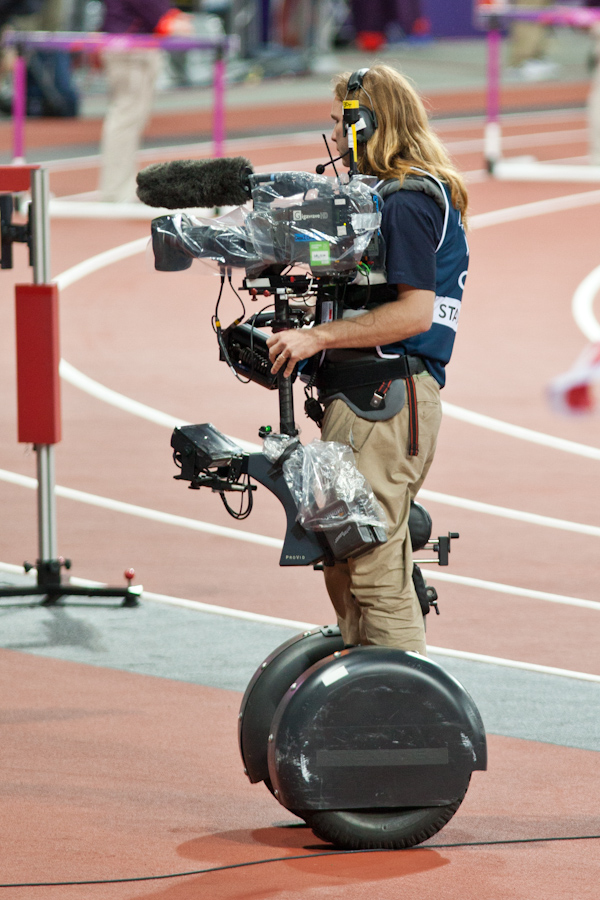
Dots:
pixel 404 137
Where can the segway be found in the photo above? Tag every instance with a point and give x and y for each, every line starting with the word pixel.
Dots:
pixel 372 746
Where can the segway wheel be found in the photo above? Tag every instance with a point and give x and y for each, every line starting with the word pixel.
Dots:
pixel 379 829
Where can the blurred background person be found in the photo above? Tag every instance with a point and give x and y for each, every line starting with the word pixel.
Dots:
pixel 593 102
pixel 375 20
pixel 50 87
pixel 309 25
pixel 131 78
pixel 528 47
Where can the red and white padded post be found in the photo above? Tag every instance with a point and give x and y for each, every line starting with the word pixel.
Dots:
pixel 38 355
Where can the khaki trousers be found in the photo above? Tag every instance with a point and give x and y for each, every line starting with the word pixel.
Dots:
pixel 131 77
pixel 373 595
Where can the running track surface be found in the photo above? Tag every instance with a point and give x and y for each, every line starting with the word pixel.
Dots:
pixel 138 744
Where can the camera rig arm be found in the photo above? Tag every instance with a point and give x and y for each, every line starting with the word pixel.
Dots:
pixel 207 458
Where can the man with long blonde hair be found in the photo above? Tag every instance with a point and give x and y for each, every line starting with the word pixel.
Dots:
pixel 384 360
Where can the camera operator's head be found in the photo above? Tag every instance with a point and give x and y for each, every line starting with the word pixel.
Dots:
pixel 398 134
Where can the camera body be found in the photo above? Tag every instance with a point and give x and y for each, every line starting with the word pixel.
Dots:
pixel 317 233
pixel 297 219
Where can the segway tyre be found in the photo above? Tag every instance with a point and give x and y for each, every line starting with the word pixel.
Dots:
pixel 269 684
pixel 379 829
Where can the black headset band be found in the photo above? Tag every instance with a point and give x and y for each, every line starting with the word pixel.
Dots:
pixel 355 82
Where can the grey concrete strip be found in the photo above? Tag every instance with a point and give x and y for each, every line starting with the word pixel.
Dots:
pixel 212 650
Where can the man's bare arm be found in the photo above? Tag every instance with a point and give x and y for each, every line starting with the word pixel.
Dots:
pixel 411 314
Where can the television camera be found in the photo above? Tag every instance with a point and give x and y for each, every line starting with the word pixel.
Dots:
pixel 371 746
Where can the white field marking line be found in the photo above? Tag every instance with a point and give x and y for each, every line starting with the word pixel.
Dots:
pixel 308 626
pixel 178 601
pixel 222 531
pixel 143 512
pixel 497 587
pixel 73 376
pixel 505 513
pixel 538 208
pixel 464 580
pixel 202 148
pixel 94 263
pixel 512 664
pixel 306 137
pixel 95 389
pixel 518 141
pixel 582 306
pixel 194 524
pixel 518 431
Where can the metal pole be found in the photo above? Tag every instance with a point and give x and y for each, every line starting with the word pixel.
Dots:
pixel 492 148
pixel 287 424
pixel 40 226
pixel 219 102
pixel 40 236
pixel 19 103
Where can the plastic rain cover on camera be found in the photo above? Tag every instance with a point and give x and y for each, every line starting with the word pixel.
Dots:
pixel 312 220
pixel 223 242
pixel 327 487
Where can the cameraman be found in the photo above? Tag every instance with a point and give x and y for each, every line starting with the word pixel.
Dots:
pixel 407 323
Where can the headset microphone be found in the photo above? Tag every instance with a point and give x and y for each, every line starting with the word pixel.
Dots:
pixel 322 166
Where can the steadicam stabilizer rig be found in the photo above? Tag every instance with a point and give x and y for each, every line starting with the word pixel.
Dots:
pixel 371 746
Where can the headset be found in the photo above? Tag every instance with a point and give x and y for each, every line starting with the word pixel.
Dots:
pixel 362 117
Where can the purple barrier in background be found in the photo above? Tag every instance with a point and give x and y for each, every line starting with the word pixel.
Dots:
pixel 450 18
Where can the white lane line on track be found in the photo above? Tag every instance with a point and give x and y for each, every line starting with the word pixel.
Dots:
pixel 143 512
pixel 94 263
pixel 197 525
pixel 582 306
pixel 512 664
pixel 499 588
pixel 76 378
pixel 521 141
pixel 518 431
pixel 505 513
pixel 309 137
pixel 73 376
pixel 538 208
pixel 306 626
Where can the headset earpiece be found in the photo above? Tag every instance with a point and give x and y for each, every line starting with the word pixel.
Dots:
pixel 370 119
pixel 367 123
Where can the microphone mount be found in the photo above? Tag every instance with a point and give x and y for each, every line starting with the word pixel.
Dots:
pixel 322 166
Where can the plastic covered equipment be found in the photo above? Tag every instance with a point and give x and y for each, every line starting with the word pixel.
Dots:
pixel 325 483
pixel 313 220
pixel 298 219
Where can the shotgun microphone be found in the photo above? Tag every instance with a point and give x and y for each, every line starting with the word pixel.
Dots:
pixel 188 183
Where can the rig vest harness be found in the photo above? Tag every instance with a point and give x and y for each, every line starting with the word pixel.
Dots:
pixel 374 386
